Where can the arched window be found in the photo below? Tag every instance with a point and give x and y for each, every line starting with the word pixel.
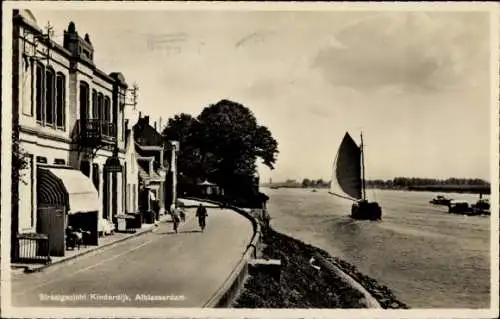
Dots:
pixel 60 100
pixel 100 105
pixel 40 92
pixel 95 108
pixel 50 92
pixel 84 101
pixel 107 109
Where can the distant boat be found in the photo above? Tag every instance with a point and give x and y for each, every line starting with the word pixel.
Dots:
pixel 314 190
pixel 348 180
pixel 441 200
pixel 460 207
pixel 482 206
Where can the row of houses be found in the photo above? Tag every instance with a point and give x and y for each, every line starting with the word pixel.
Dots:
pixel 90 160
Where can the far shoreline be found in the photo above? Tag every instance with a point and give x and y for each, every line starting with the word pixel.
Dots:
pixel 460 189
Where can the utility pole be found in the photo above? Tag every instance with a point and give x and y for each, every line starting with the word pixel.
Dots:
pixel 133 91
pixel 135 95
pixel 44 38
pixel 48 36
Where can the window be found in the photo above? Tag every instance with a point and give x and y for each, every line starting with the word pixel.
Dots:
pixel 125 188
pixel 130 199
pixel 59 161
pixel 100 106
pixel 84 101
pixel 86 54
pixel 95 108
pixel 107 108
pixel 123 126
pixel 28 85
pixel 50 85
pixel 50 97
pixel 40 90
pixel 85 168
pixel 41 159
pixel 95 176
pixel 60 101
pixel 133 198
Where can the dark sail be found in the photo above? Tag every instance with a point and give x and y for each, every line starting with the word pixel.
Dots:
pixel 346 177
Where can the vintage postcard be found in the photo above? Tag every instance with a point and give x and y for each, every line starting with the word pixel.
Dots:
pixel 250 159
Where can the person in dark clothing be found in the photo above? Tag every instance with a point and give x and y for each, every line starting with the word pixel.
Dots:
pixel 201 213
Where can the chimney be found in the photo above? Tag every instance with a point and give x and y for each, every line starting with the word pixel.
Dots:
pixel 140 114
pixel 146 119
pixel 159 124
pixel 155 126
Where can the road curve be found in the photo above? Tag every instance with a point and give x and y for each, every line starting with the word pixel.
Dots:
pixel 159 269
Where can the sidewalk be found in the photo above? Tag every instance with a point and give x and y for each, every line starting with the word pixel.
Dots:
pixel 106 241
pixel 158 269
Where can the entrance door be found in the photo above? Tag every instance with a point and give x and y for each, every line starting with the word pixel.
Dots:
pixel 105 194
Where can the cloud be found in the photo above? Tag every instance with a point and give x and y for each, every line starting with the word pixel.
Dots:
pixel 415 51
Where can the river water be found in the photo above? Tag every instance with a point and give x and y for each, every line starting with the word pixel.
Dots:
pixel 429 258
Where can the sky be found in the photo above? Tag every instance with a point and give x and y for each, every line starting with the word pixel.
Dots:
pixel 417 84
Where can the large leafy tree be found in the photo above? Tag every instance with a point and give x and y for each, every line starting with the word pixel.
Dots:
pixel 185 129
pixel 222 144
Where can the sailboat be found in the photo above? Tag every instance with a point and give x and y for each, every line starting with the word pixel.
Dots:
pixel 348 180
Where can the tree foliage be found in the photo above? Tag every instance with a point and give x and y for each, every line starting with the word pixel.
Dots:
pixel 19 161
pixel 222 144
pixel 306 182
pixel 320 183
pixel 405 182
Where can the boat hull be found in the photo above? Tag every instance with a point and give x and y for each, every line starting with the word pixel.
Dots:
pixel 469 211
pixel 365 210
pixel 443 202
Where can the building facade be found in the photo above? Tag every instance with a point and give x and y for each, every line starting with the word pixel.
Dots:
pixel 71 128
pixel 132 173
pixel 153 165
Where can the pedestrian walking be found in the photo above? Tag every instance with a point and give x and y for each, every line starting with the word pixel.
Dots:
pixel 156 215
pixel 201 213
pixel 175 217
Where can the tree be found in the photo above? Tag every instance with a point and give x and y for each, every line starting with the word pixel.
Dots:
pixel 231 134
pixel 306 182
pixel 185 129
pixel 222 144
pixel 19 163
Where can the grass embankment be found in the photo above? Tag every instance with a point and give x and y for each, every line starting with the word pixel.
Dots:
pixel 301 285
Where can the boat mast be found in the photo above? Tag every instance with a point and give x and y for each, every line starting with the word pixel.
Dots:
pixel 363 168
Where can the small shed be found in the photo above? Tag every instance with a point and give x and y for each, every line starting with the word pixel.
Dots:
pixel 208 188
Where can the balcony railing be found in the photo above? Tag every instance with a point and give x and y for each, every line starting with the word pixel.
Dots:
pixel 96 131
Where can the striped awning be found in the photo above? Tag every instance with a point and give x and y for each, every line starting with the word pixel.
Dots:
pixel 66 187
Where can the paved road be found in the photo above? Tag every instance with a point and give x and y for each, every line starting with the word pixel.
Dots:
pixel 182 270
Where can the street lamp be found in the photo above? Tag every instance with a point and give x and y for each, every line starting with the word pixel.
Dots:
pixel 173 169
